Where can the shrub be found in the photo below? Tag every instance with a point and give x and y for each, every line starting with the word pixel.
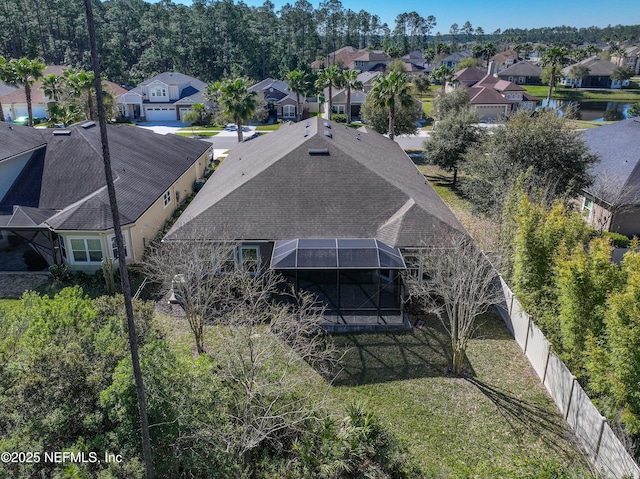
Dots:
pixel 339 117
pixel 60 273
pixel 618 240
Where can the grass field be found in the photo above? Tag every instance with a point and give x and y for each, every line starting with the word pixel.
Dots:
pixel 494 421
pixel 579 94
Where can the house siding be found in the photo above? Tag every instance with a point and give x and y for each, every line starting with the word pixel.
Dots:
pixel 148 225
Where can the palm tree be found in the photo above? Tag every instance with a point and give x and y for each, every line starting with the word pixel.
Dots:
pixel 52 87
pixel 350 81
pixel 27 72
pixel 388 91
pixel 122 262
pixel 235 100
pixel 443 74
pixel 79 83
pixel 554 57
pixel 297 82
pixel 328 78
pixel 7 76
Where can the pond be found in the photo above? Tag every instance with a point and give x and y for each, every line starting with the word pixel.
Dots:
pixel 594 110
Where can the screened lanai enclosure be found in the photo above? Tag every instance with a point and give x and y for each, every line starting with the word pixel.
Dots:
pixel 357 281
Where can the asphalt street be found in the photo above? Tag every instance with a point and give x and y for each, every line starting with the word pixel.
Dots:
pixel 227 139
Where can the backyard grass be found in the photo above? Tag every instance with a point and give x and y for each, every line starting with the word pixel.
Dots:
pixel 493 422
pixel 578 94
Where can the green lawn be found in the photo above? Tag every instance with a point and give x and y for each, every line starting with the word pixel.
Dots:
pixel 496 420
pixel 274 127
pixel 579 94
pixel 488 424
pixel 197 133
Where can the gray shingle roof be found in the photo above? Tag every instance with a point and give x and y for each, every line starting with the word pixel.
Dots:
pixel 71 177
pixel 273 188
pixel 521 69
pixel 618 146
pixel 192 89
pixel 596 66
pixel 15 140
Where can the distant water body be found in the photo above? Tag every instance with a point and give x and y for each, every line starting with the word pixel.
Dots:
pixel 592 110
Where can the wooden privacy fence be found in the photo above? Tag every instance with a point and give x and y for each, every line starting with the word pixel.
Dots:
pixel 606 451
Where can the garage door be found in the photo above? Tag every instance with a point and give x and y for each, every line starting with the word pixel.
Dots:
pixel 160 114
pixel 184 111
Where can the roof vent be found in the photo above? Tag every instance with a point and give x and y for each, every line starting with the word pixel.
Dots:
pixel 61 132
pixel 306 132
pixel 88 124
pixel 318 152
pixel 307 124
pixel 327 124
pixel 328 134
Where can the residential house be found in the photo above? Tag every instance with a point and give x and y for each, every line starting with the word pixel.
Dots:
pixel 337 211
pixel 339 99
pixel 453 59
pixel 281 103
pixel 630 59
pixel 53 194
pixel 375 60
pixel 502 61
pixel 612 203
pixel 14 101
pixel 342 58
pixel 491 97
pixel 417 60
pixel 599 75
pixel 165 97
pixel 522 73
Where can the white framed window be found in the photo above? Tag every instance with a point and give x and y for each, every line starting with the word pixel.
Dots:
pixel 339 109
pixel 520 79
pixel 288 110
pixel 249 259
pixel 166 198
pixel 114 246
pixel 587 208
pixel 86 250
pixel 158 91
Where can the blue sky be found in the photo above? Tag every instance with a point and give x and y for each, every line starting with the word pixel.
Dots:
pixel 491 15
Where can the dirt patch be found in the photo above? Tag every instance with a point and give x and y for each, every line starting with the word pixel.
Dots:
pixel 13 285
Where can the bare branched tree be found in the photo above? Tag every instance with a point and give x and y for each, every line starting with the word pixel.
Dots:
pixel 270 349
pixel 460 287
pixel 192 272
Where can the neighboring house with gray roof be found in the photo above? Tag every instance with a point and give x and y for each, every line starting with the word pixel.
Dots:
pixel 165 97
pixel 599 75
pixel 612 203
pixel 53 194
pixel 335 210
pixel 280 102
pixel 453 59
pixel 522 73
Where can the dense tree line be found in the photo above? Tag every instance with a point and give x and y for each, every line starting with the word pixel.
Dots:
pixel 213 39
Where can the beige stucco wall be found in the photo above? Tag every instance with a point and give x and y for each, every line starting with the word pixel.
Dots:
pixel 148 225
pixel 139 234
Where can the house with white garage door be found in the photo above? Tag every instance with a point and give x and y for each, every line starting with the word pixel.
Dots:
pixel 165 97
